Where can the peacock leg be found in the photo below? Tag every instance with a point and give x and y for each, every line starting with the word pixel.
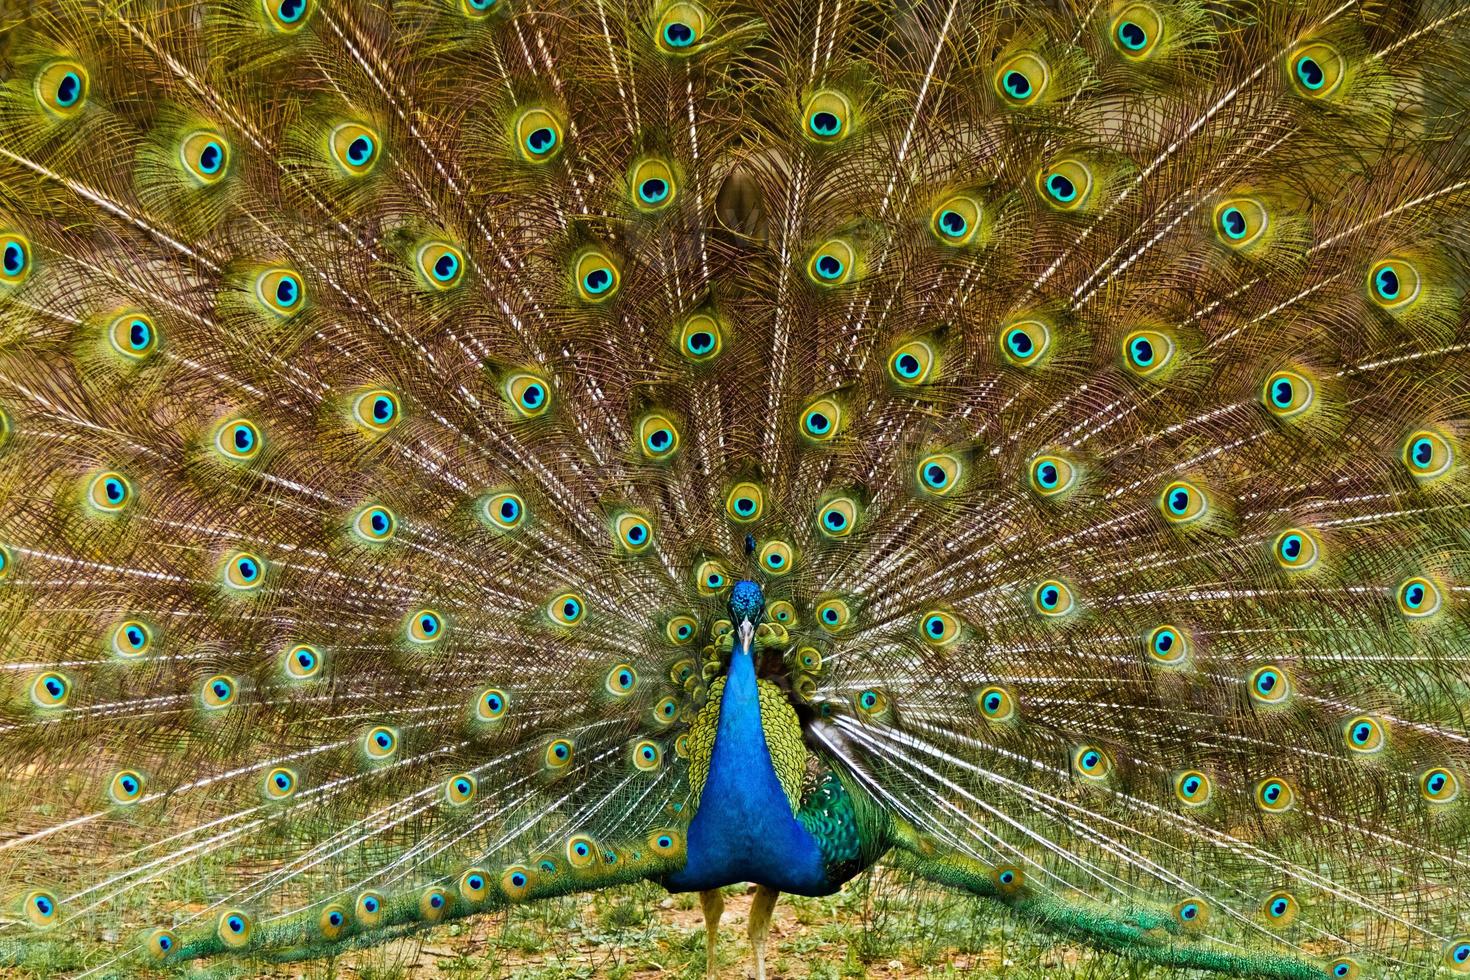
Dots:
pixel 713 904
pixel 760 925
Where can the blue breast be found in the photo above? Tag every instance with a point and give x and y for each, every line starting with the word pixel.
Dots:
pixel 744 829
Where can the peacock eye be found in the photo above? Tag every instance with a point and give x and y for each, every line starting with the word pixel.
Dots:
pixel 432 903
pixel 1066 185
pixel 50 689
pixel 477 9
pixel 745 502
pixel 528 395
pixel 440 264
pixel 1167 646
pixel 700 338
pixel 1148 353
pixel 1136 31
pixel 938 474
pixel 205 156
pixel 1439 785
pixel 833 615
pixel 1394 284
pixel 956 221
pixel 622 680
pixel 460 790
pixel 538 135
pixel 777 558
pixel 821 420
pixel 939 628
pixel 380 743
pixel 1183 503
pixel 912 363
pixel 280 783
pixel 425 626
pixel 1287 394
pixel 681 28
pixel 354 147
pixel 1052 476
pixel 281 292
pixel 1418 597
pixel 1240 221
pixel 1364 735
pixel 1025 342
pixel 109 492
pixel 126 787
pixel 838 517
pixel 472 885
pixel 15 259
pixel 646 756
pixel 1270 685
pixel 1021 80
pixel 710 578
pixel 1457 955
pixel 566 609
pixel 597 276
pixel 244 571
pixel 1192 913
pixel 827 117
pixel 680 630
pixel 996 704
pixel 132 639
pixel 1091 762
pixel 653 185
pixel 491 704
pixel 369 908
pixel 133 335
pixel 375 523
pixel 1316 69
pixel 238 440
pixel 559 752
pixel 161 942
pixel 1295 550
pixel 1192 788
pixel 1275 795
pixel 1427 455
pixel 61 87
pixel 657 436
pixel 871 702
pixel 302 662
pixel 218 691
pixel 505 511
pixel 1052 598
pixel 1344 968
pixel 287 16
pixel 1281 909
pixel 831 263
pixel 632 532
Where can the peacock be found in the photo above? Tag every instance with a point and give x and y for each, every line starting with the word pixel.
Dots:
pixel 457 453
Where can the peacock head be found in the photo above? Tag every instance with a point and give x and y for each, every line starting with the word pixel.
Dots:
pixel 746 602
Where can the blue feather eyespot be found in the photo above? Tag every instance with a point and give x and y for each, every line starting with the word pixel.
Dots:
pixel 477 9
pixel 1167 646
pixel 827 116
pixel 701 338
pixel 996 703
pixel 369 908
pixel 61 88
pixel 218 692
pixel 50 689
pixel 1344 968
pixel 302 662
pixel 1419 598
pixel 559 753
pixel 133 335
pixel 281 292
pixel 354 147
pixel 1275 795
pixel 912 363
pixel 1192 913
pixel 1065 185
pixel 1280 909
pixel 234 928
pixel 1193 788
pixel 647 756
pixel 1427 455
pixel 1052 599
pixel 566 609
pixel 109 492
pixel 681 749
pixel 474 885
pixel 505 511
pixel 1270 685
pixel 238 440
pixel 681 28
pixel 956 220
pixel 680 630
pixel 1287 394
pixel 281 783
pixel 1136 31
pixel 1021 80
pixel 515 882
pixel 287 16
pixel 581 851
pixel 1316 69
pixel 711 578
pixel 440 264
pixel 527 394
pixel 160 943
pixel 1239 222
pixel 821 420
pixel 1009 879
pixel 333 921
pixel 1457 955
pixel 243 571
pixel 1148 353
pixel 1052 476
pixel 132 639
pixel 1091 763
pixel 1439 785
pixel 939 628
pixel 1394 284
pixel 205 156
pixel 653 185
pixel 491 704
pixel 658 437
pixel 377 411
pixel 1295 550
pixel 810 659
pixel 621 681
pixel 665 712
pixel 40 908
pixel 425 626
pixel 682 671
pixel 15 258
pixel 597 276
pixel 665 842
pixel 6 563
pixel 837 517
pixel 833 615
pixel 1365 735
pixel 538 135
pixel 939 473
pixel 126 787
pixel 1025 342
pixel 777 558
pixel 870 702
pixel 833 263
pixel 375 523
pixel 1183 503
pixel 632 532
pixel 380 743
pixel 433 903
pixel 745 502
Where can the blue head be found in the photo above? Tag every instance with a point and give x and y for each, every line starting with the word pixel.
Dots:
pixel 746 602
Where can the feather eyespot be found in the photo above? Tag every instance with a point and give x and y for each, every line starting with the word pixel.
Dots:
pixel 425 626
pixel 126 787
pixel 1280 909
pixel 996 704
pixel 1287 394
pixel 647 756
pixel 375 523
pixel 287 16
pixel 938 474
pixel 219 691
pixel 1192 913
pixel 833 263
pixel 50 689
pixel 833 615
pixel 1365 735
pixel 474 885
pixel 505 511
pixel 559 752
pixel 1053 599
pixel 302 662
pixel 538 135
pixel 1066 185
pixel 527 394
pixel 132 639
pixel 1193 788
pixel 109 492
pixel 621 681
pixel 680 630
pixel 1439 785
pixel 745 502
pixel 1183 503
pixel 205 156
pixel 1167 646
pixel 1148 353
pixel 567 609
pixel 665 712
pixel 810 659
pixel 433 903
pixel 681 28
pixel 1022 80
pixel 821 420
pixel 912 363
pixel 244 571
pixel 368 908
pixel 61 87
pixel 1394 284
pixel 1136 31
pixel 440 264
pixel 939 628
pixel 1316 69
pixel 1009 879
pixel 380 743
pixel 1239 222
pixel 1275 795
pixel 658 437
pixel 15 258
pixel 837 517
pixel 827 117
pixel 711 578
pixel 1344 968
pixel 377 411
pixel 1419 598
pixel 653 185
pixel 333 921
pixel 1457 955
pixel 491 704
pixel 238 440
pixel 956 221
pixel 700 338
pixel 1052 476
pixel 354 148
pixel 281 292
pixel 133 335
pixel 281 783
pixel 1270 685
pixel 477 9
pixel 870 702
pixel 777 558
pixel 1091 763
pixel 1296 550
pixel 1427 455
pixel 632 532
pixel 7 564
pixel 597 276
pixel 160 943
pixel 1025 342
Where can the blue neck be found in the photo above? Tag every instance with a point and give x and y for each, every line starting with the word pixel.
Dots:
pixel 744 829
